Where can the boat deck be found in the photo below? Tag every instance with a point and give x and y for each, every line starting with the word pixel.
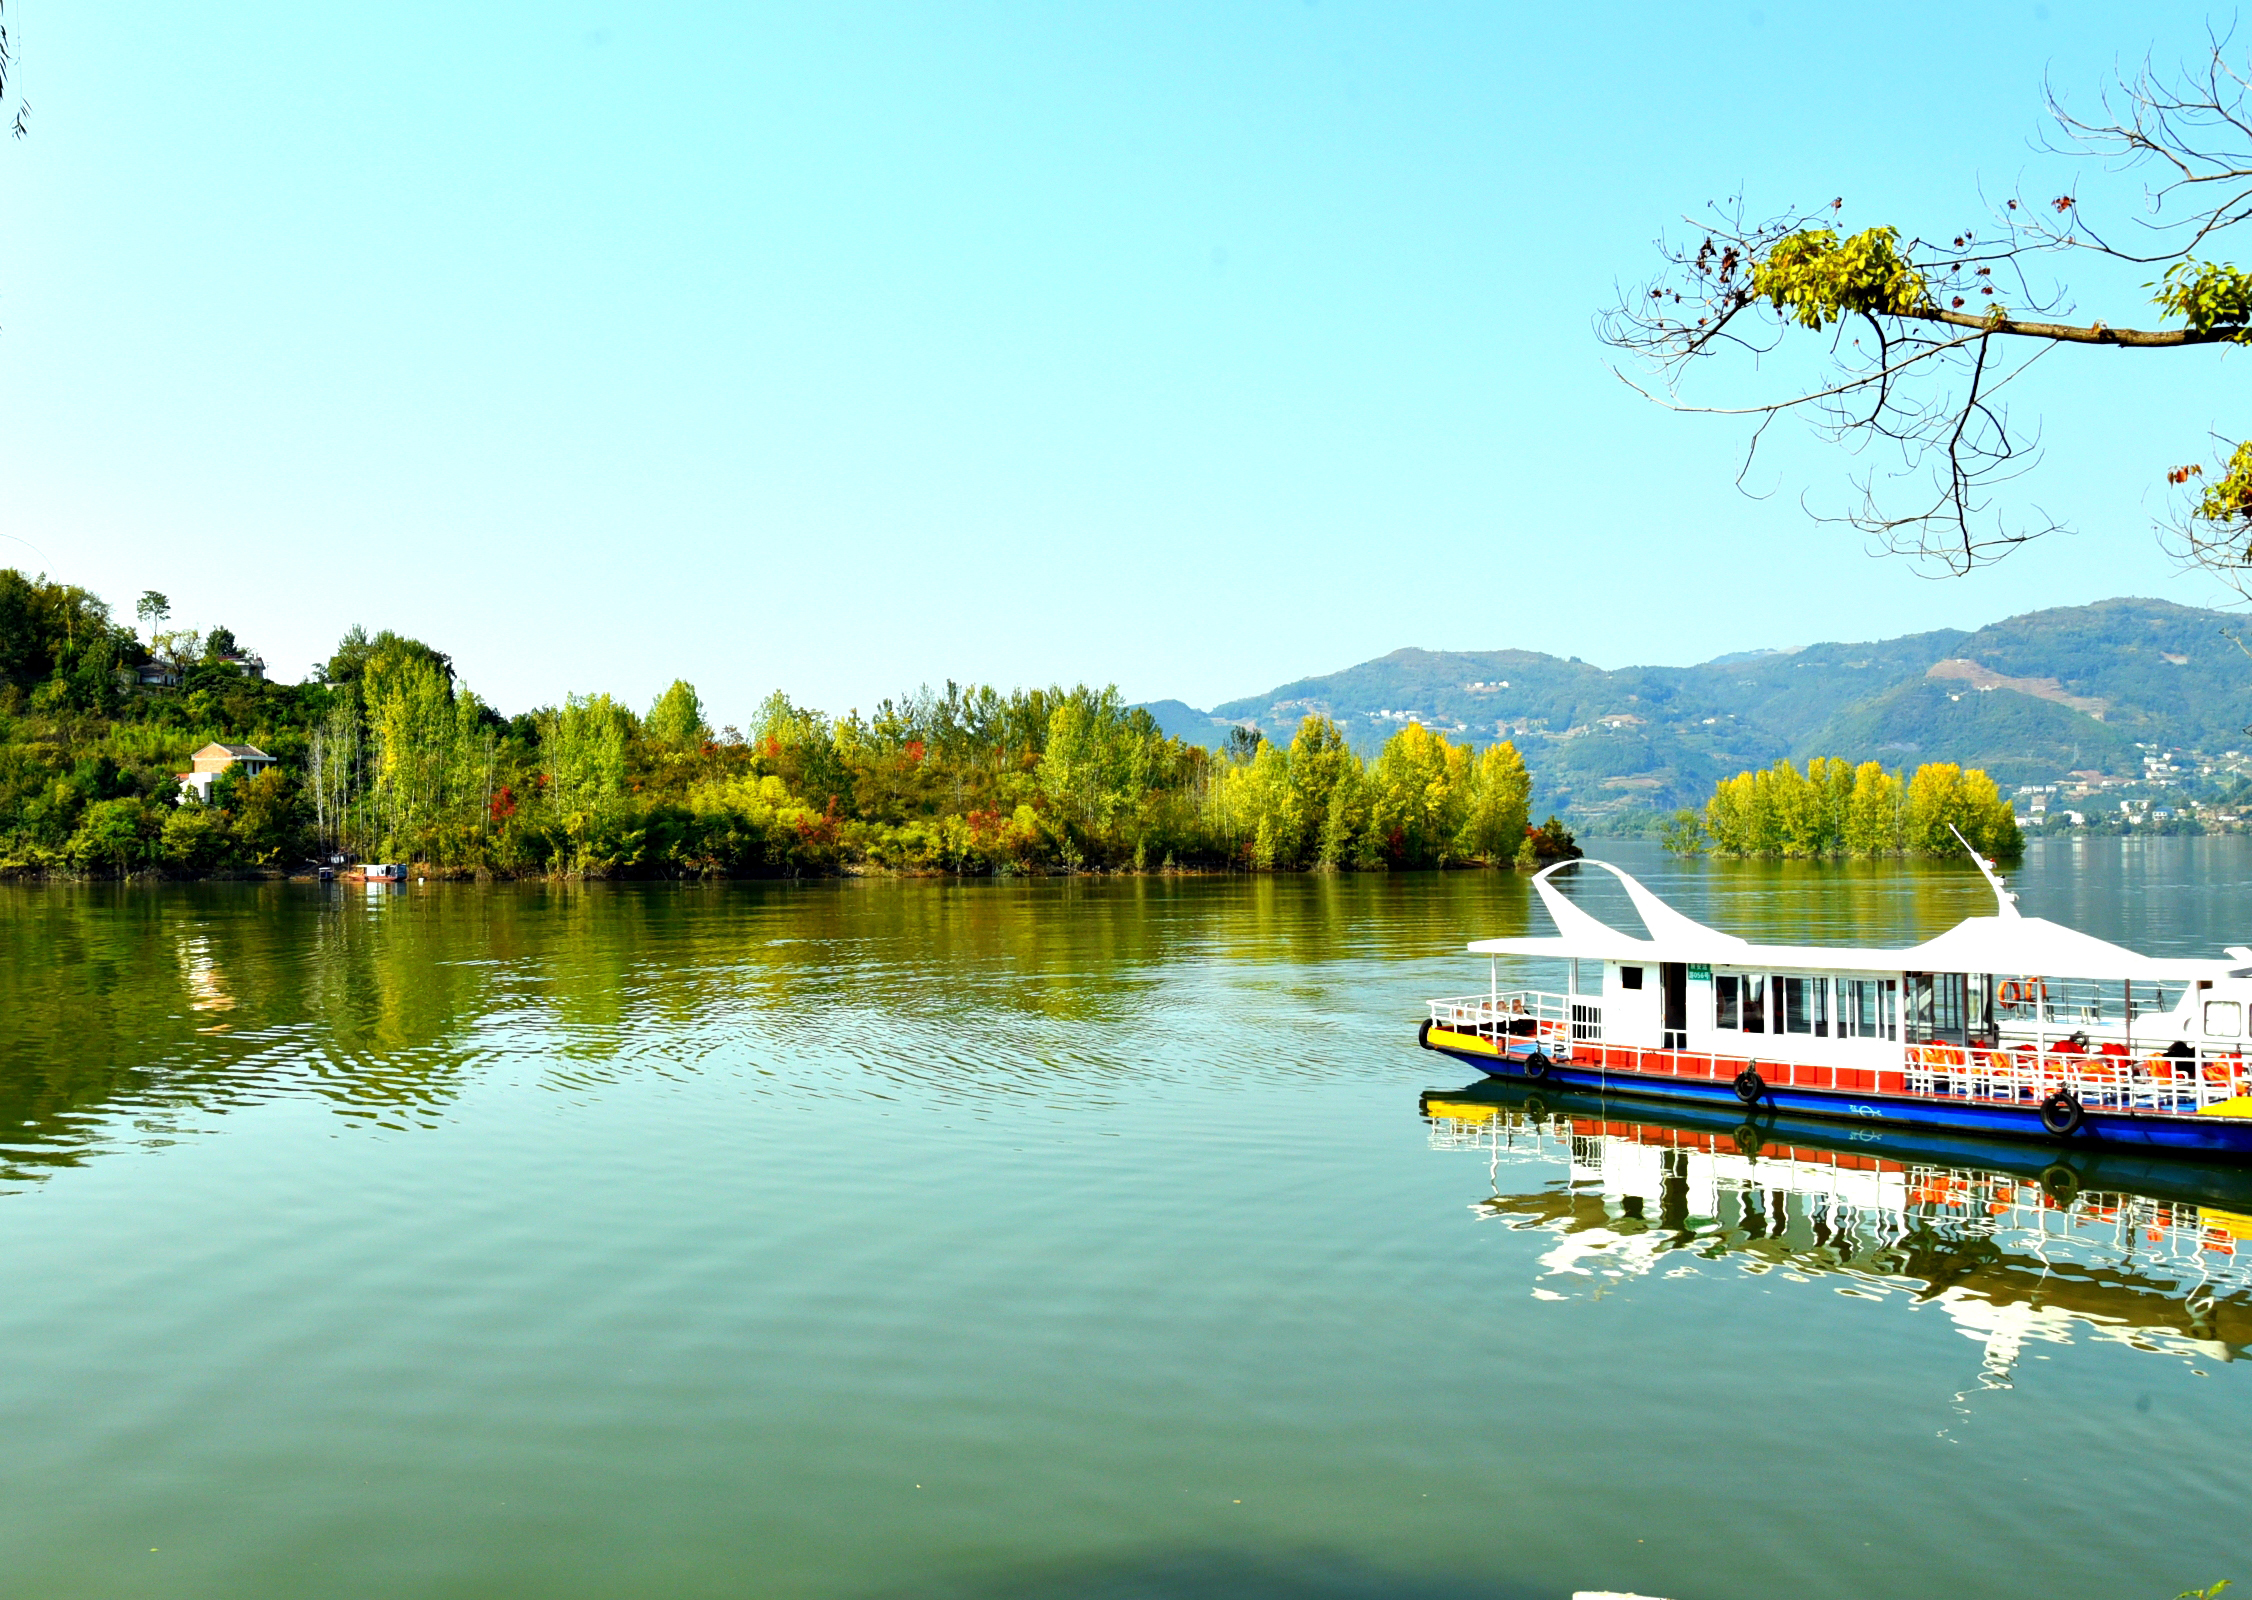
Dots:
pixel 1513 1026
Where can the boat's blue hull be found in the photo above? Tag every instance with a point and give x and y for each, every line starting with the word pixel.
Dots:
pixel 2225 1137
pixel 2186 1179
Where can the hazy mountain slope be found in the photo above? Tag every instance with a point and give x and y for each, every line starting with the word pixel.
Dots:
pixel 1182 721
pixel 2030 697
pixel 2164 670
pixel 1437 685
pixel 2016 737
pixel 1792 693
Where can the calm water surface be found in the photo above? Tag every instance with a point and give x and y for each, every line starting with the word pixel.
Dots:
pixel 1031 1239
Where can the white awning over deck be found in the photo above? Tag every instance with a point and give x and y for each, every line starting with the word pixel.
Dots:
pixel 2005 943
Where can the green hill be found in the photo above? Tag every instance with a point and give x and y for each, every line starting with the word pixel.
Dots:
pixel 2029 698
pixel 2016 737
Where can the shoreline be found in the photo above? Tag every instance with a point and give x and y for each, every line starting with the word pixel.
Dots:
pixel 422 873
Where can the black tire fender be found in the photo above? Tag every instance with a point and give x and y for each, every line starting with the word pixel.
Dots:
pixel 1536 1066
pixel 2062 1114
pixel 2061 1184
pixel 1423 1034
pixel 1749 1086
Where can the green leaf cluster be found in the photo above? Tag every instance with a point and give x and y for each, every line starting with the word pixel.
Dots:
pixel 1816 280
pixel 2208 295
pixel 2228 498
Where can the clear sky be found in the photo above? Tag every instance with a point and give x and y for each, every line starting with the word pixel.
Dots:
pixel 840 348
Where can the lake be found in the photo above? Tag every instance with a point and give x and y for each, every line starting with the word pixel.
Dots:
pixel 1041 1238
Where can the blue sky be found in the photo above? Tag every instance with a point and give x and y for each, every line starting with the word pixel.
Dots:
pixel 839 348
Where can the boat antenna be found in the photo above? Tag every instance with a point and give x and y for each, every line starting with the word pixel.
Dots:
pixel 2005 901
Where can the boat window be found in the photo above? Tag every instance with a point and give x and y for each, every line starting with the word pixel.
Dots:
pixel 1630 977
pixel 1938 1003
pixel 2224 1019
pixel 1755 1005
pixel 1868 1008
pixel 1803 1006
pixel 1724 992
pixel 1978 1009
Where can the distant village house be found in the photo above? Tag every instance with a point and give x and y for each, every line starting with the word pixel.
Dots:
pixel 156 674
pixel 151 675
pixel 214 759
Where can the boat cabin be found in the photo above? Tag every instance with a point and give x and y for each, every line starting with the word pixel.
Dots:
pixel 2004 1009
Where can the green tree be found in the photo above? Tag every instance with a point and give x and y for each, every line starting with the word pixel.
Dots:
pixel 676 721
pixel 801 747
pixel 1346 838
pixel 1501 792
pixel 1943 794
pixel 1834 809
pixel 1320 761
pixel 1873 819
pixel 194 838
pixel 1420 793
pixel 115 833
pixel 584 746
pixel 268 817
pixel 356 652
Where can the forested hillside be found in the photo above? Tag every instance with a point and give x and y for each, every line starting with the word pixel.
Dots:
pixel 2028 699
pixel 386 755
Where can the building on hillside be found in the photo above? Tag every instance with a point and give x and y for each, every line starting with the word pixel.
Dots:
pixel 150 675
pixel 248 663
pixel 214 759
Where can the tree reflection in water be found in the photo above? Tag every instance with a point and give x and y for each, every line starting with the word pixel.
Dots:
pixel 136 1012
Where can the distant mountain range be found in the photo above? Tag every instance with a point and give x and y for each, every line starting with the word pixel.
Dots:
pixel 2030 699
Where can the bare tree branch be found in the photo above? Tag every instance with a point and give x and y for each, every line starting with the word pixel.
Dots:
pixel 1938 314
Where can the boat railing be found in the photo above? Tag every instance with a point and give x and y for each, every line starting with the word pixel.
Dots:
pixel 2185 1082
pixel 1520 1020
pixel 1569 1027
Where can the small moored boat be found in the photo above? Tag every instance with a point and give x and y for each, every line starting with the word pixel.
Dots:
pixel 2004 1025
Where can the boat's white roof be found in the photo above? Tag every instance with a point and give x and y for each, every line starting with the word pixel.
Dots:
pixel 2006 942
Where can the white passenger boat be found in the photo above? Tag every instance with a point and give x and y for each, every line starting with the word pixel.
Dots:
pixel 2007 1024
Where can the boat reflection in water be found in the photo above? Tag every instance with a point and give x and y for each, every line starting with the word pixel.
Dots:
pixel 2017 1245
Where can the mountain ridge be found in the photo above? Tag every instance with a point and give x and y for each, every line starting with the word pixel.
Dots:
pixel 2031 698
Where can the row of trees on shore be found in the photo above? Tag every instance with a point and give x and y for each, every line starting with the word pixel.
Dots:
pixel 385 755
pixel 1834 808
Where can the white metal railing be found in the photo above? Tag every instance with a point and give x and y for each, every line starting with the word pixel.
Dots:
pixel 1520 1019
pixel 2016 1071
pixel 2112 1080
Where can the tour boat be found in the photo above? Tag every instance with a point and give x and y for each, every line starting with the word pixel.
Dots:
pixel 2005 1025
